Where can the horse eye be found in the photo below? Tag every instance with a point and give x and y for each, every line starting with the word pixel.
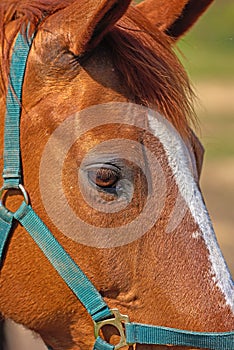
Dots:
pixel 104 177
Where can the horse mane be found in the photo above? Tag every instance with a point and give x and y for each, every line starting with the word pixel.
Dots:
pixel 142 54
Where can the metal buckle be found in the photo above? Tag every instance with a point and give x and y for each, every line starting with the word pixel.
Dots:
pixel 19 188
pixel 117 321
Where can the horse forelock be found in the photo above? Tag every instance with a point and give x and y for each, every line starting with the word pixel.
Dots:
pixel 149 67
pixel 142 54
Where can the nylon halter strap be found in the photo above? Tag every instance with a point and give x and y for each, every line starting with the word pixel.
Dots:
pixel 76 280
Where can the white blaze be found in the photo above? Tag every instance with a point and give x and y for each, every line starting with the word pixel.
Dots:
pixel 179 162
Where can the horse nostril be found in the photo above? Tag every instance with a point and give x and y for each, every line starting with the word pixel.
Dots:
pixel 111 294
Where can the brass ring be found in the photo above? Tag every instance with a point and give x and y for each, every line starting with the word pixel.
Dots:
pixel 117 321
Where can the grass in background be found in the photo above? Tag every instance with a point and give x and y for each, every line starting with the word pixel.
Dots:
pixel 209 46
pixel 217 135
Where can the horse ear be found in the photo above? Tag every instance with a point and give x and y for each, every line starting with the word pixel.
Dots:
pixel 85 22
pixel 173 17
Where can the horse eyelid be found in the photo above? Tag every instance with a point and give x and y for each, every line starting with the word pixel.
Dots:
pixel 108 165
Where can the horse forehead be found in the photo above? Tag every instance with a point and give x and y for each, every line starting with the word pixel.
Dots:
pixel 64 89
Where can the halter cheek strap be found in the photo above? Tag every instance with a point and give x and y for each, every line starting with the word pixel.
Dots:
pixel 68 270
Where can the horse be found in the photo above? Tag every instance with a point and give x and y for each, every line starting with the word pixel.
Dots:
pixel 111 166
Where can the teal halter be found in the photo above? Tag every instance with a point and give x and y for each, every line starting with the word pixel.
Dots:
pixel 76 280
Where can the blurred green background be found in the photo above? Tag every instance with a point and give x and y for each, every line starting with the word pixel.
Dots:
pixel 207 53
pixel 209 46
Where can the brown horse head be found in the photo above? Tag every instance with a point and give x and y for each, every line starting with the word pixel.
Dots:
pixel 112 168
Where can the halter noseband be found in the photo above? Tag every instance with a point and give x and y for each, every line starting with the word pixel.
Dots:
pixel 76 280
